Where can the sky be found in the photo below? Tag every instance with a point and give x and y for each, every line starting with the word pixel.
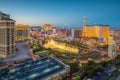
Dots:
pixel 63 12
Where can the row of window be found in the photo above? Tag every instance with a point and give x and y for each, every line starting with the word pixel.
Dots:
pixel 22 33
pixel 2 50
pixel 7 24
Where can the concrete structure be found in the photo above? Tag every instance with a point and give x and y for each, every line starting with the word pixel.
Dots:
pixel 118 46
pixel 49 68
pixel 96 31
pixel 111 45
pixel 22 32
pixel 7 36
pixel 47 27
pixel 76 33
pixel 84 34
pixel 63 33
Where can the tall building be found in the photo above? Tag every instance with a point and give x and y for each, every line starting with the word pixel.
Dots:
pixel 47 27
pixel 76 33
pixel 96 31
pixel 7 36
pixel 84 34
pixel 22 32
pixel 111 45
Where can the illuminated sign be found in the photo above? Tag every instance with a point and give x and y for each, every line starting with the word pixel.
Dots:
pixel 113 53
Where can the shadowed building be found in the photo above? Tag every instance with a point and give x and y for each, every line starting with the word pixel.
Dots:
pixel 76 33
pixel 7 36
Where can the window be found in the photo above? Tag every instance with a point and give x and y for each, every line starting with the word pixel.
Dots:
pixel 7 23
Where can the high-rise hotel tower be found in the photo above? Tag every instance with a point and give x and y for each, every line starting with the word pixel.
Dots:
pixel 96 31
pixel 7 36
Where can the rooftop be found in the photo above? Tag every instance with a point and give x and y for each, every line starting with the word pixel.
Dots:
pixel 33 70
pixel 3 13
pixel 5 16
pixel 8 19
pixel 97 25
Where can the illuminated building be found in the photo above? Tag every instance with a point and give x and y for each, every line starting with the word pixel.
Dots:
pixel 48 68
pixel 61 46
pixel 22 32
pixel 47 27
pixel 7 37
pixel 118 46
pixel 96 31
pixel 111 46
pixel 63 33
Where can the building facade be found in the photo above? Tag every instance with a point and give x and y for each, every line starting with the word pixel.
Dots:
pixel 96 31
pixel 22 32
pixel 7 36
pixel 111 45
pixel 47 28
pixel 76 33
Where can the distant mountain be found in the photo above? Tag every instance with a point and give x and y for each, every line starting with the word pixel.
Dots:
pixel 116 28
pixel 38 27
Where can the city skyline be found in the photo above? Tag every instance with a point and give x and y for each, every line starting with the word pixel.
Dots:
pixel 60 12
pixel 70 40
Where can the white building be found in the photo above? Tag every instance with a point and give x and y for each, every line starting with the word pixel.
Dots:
pixel 111 45
pixel 7 36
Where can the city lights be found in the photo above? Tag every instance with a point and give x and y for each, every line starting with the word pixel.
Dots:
pixel 62 46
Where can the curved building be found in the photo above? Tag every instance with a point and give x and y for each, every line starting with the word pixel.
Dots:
pixel 7 36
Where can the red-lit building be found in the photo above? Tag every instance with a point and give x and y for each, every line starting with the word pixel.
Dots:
pixel 118 46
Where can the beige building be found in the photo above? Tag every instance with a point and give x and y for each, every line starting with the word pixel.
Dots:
pixel 22 32
pixel 47 26
pixel 96 31
pixel 7 37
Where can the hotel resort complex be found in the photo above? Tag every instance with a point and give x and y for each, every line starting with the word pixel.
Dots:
pixel 48 52
pixel 48 68
pixel 22 32
pixel 96 31
pixel 7 36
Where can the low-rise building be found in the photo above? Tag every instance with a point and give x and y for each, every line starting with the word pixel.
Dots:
pixel 49 68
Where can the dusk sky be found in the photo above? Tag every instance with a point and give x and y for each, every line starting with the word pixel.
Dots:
pixel 61 12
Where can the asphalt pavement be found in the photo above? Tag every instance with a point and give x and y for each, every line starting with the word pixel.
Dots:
pixel 21 53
